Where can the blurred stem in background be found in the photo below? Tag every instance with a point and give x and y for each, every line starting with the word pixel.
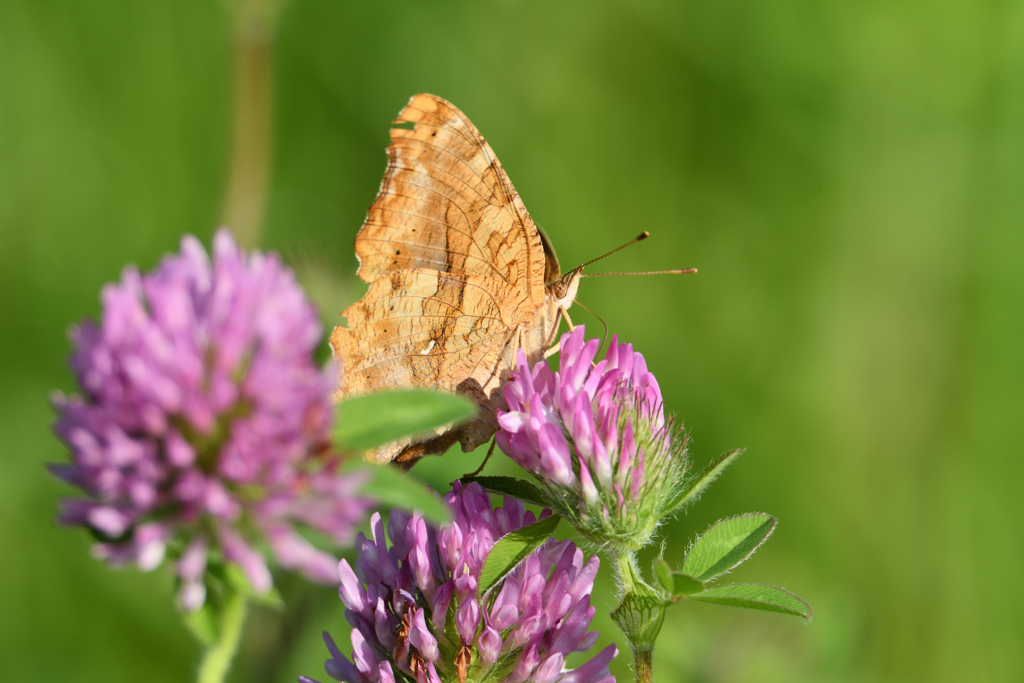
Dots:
pixel 231 622
pixel 253 26
pixel 253 29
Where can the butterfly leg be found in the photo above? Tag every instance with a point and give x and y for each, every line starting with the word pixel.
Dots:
pixel 553 349
pixel 487 457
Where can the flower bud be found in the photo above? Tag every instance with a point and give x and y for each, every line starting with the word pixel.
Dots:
pixel 596 438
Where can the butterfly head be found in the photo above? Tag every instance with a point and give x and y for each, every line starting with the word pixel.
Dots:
pixel 564 288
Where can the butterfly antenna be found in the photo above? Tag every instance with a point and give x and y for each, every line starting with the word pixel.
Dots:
pixel 639 238
pixel 646 272
pixel 604 340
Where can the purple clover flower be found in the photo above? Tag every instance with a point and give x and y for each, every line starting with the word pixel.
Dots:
pixel 596 437
pixel 418 615
pixel 204 421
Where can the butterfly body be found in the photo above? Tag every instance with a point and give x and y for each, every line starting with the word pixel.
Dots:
pixel 460 277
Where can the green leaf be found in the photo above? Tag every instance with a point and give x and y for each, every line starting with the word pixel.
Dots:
pixel 727 543
pixel 684 584
pixel 510 486
pixel 272 599
pixel 237 581
pixel 513 548
pixel 395 488
pixel 676 583
pixel 706 478
pixel 663 573
pixel 756 596
pixel 371 420
pixel 202 623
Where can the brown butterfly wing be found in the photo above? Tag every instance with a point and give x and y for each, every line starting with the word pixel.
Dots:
pixel 422 327
pixel 447 204
pixel 456 268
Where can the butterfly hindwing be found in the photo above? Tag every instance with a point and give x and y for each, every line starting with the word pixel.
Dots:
pixel 428 329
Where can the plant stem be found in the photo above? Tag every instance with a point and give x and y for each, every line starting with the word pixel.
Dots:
pixel 644 669
pixel 217 660
pixel 626 572
pixel 640 614
pixel 248 175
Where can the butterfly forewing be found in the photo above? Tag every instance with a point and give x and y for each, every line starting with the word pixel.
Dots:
pixel 446 204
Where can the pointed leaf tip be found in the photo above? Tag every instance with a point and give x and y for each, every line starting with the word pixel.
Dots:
pixel 756 596
pixel 726 544
pixel 203 623
pixel 393 488
pixel 664 575
pixel 684 584
pixel 676 583
pixel 510 486
pixel 707 477
pixel 372 420
pixel 513 548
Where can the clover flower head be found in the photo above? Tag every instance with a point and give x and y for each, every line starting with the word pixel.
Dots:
pixel 596 437
pixel 418 614
pixel 202 419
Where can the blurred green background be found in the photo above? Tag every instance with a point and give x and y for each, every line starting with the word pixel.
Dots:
pixel 848 178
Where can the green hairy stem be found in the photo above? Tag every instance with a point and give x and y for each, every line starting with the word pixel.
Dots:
pixel 640 613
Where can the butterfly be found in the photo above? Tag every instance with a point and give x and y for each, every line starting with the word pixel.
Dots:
pixel 460 276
